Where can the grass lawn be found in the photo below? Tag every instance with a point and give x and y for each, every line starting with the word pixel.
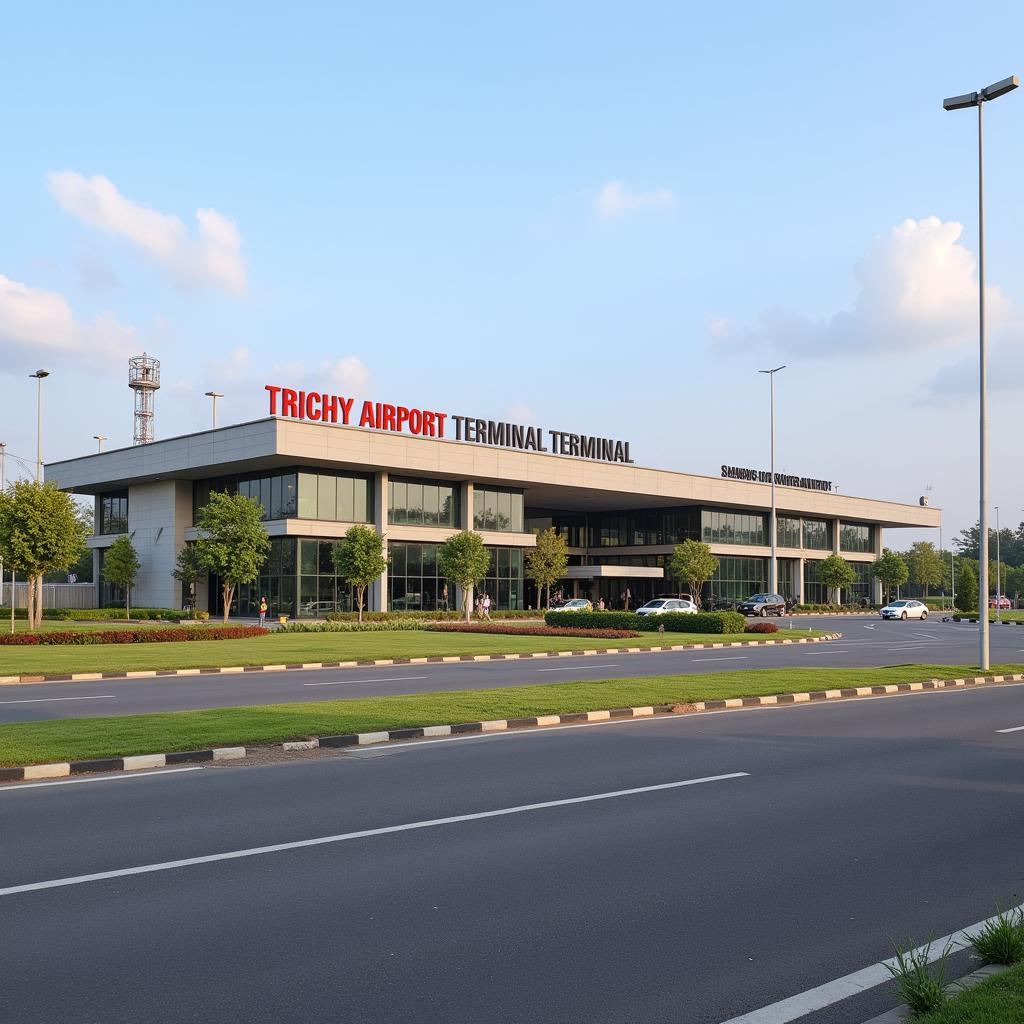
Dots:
pixel 998 1000
pixel 62 626
pixel 295 648
pixel 80 738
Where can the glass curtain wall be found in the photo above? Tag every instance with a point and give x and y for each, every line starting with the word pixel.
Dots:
pixel 113 513
pixel 719 527
pixel 423 503
pixel 818 534
pixel 414 583
pixel 787 532
pixel 738 577
pixel 334 496
pixel 504 580
pixel 855 537
pixel 497 509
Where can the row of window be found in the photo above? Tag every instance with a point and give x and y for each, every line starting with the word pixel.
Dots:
pixel 337 497
pixel 422 503
pixel 497 509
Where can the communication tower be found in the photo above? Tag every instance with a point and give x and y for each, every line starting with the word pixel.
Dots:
pixel 144 380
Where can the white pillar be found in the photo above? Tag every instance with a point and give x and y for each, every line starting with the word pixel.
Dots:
pixel 377 593
pixel 465 523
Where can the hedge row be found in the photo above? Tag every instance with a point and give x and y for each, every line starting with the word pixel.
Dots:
pixel 417 616
pixel 760 627
pixel 130 636
pixel 99 614
pixel 674 622
pixel 840 609
pixel 473 627
pixel 372 626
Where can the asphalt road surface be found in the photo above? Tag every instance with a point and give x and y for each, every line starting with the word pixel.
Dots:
pixel 866 641
pixel 466 881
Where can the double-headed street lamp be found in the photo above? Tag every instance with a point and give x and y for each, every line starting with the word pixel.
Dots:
pixel 979 99
pixel 773 565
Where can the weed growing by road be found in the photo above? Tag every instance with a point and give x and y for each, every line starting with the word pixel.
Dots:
pixel 1001 940
pixel 922 990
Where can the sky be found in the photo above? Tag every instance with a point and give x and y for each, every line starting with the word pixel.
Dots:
pixel 600 218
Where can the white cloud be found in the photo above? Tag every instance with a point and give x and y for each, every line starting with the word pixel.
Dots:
pixel 35 322
pixel 350 374
pixel 212 258
pixel 518 412
pixel 918 290
pixel 615 199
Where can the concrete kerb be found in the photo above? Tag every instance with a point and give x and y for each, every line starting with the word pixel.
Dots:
pixel 82 677
pixel 361 739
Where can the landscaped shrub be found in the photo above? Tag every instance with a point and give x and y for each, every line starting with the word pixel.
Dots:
pixel 834 609
pixel 81 638
pixel 674 622
pixel 100 614
pixel 485 627
pixel 418 616
pixel 760 627
pixel 378 626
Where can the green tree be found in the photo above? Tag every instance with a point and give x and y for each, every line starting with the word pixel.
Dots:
pixel 234 542
pixel 121 566
pixel 189 567
pixel 925 565
pixel 39 533
pixel 1014 583
pixel 359 560
pixel 837 573
pixel 891 570
pixel 693 563
pixel 548 562
pixel 464 559
pixel 966 586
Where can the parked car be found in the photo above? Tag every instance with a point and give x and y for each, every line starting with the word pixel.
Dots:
pixel 905 610
pixel 1001 602
pixel 661 605
pixel 763 604
pixel 576 604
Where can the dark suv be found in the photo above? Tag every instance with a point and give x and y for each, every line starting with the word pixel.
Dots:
pixel 763 604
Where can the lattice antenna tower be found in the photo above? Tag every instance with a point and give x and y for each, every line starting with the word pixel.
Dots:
pixel 144 380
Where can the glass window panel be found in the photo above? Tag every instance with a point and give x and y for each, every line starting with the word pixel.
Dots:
pixel 307 496
pixel 343 490
pixel 397 567
pixel 517 513
pixel 289 549
pixel 307 557
pixel 401 502
pixel 478 509
pixel 429 556
pixel 430 504
pixel 324 557
pixel 326 497
pixel 413 560
pixel 503 561
pixel 362 500
pixel 415 503
pixel 289 501
pixel 503 515
pixel 275 497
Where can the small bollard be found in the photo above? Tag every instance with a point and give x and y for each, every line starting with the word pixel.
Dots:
pixel 661 628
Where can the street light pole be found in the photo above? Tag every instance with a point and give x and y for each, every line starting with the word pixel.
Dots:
pixel 978 99
pixel 773 565
pixel 214 395
pixel 99 439
pixel 39 375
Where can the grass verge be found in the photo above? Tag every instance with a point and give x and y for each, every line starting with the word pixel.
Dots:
pixel 997 1000
pixel 74 739
pixel 296 648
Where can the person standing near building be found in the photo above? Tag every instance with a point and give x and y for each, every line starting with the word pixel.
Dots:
pixel 487 607
pixel 263 610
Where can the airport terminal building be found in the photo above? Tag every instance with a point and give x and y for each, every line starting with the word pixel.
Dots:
pixel 320 462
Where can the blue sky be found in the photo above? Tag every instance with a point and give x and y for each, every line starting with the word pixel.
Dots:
pixel 600 218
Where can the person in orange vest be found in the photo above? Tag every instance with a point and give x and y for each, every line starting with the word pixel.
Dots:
pixel 263 610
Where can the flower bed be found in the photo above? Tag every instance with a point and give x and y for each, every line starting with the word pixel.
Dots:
pixel 473 627
pixel 131 636
pixel 760 627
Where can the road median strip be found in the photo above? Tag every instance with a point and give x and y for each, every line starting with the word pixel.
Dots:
pixel 133 762
pixel 82 677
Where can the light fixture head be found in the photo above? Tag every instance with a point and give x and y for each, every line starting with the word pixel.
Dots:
pixel 40 374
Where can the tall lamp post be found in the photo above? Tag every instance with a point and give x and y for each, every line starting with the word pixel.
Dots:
pixel 979 99
pixel 773 565
pixel 99 439
pixel 40 376
pixel 214 395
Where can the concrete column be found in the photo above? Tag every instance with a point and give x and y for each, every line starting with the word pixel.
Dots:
pixel 876 585
pixel 836 530
pixel 800 580
pixel 465 523
pixel 377 593
pixel 96 573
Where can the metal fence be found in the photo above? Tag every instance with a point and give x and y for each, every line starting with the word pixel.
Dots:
pixel 55 595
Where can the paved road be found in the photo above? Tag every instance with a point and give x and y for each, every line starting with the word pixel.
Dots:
pixel 865 642
pixel 855 822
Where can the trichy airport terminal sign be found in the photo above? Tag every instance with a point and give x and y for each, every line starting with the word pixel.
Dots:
pixel 323 407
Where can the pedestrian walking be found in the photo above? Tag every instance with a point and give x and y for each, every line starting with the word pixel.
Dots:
pixel 263 610
pixel 600 605
pixel 487 607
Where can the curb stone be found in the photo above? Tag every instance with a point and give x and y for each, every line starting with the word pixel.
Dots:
pixel 364 739
pixel 83 677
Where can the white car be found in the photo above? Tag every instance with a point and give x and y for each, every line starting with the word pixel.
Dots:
pixel 905 610
pixel 662 605
pixel 577 604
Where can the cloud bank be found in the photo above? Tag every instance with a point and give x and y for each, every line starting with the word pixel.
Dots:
pixel 615 199
pixel 210 258
pixel 918 290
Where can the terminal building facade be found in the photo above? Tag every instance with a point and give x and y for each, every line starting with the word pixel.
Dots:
pixel 316 475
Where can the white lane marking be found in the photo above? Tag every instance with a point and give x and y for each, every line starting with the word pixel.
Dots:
pixel 930 636
pixel 732 657
pixel 869 627
pixel 47 700
pixel 17 786
pixel 1016 728
pixel 573 668
pixel 376 679
pixel 256 851
pixel 853 984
